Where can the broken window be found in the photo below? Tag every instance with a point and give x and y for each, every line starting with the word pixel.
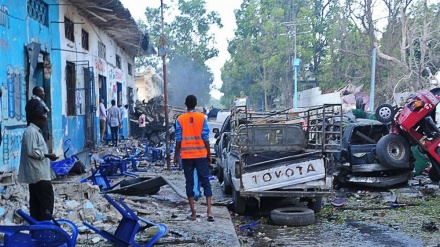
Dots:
pixel 85 39
pixel 129 69
pixel 101 50
pixel 118 61
pixel 38 10
pixel 71 88
pixel 69 29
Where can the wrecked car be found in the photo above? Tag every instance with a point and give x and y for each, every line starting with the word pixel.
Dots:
pixel 358 163
pixel 273 155
pixel 413 124
pixel 222 138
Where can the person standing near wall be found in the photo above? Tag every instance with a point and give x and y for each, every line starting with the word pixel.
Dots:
pixel 102 118
pixel 192 143
pixel 123 112
pixel 114 120
pixel 35 168
pixel 37 103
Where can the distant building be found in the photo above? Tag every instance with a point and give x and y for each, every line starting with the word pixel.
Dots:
pixel 148 84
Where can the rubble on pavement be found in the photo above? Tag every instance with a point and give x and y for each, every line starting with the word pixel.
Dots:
pixel 81 201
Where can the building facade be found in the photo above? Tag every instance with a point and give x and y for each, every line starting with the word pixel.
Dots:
pixel 149 84
pixel 79 51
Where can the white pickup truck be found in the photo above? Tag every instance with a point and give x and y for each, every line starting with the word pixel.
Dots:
pixel 283 154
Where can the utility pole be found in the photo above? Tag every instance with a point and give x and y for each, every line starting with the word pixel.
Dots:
pixel 163 53
pixel 296 63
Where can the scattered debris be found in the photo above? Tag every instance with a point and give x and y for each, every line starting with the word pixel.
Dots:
pixel 430 227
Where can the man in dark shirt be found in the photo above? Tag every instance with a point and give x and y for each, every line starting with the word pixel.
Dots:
pixel 37 103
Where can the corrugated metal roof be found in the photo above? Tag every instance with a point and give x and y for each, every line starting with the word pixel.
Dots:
pixel 117 22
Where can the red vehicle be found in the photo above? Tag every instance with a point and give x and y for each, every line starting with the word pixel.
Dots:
pixel 414 124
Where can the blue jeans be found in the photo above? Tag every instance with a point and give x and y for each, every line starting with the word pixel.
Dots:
pixel 201 165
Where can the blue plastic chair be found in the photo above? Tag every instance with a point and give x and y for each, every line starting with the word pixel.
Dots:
pixel 43 233
pixel 63 167
pixel 102 173
pixel 128 227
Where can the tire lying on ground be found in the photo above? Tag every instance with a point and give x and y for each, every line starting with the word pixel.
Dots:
pixel 393 150
pixel 292 216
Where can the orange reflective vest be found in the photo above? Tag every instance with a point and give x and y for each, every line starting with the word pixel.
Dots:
pixel 192 145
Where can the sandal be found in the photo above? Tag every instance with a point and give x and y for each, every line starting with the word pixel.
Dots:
pixel 211 218
pixel 189 217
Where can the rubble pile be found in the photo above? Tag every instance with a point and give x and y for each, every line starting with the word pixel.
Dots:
pixel 154 110
pixel 76 202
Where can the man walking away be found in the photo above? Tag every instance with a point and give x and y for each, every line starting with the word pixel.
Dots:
pixel 114 119
pixel 192 142
pixel 102 118
pixel 35 168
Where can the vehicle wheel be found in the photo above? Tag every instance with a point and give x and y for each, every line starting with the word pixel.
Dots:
pixel 433 174
pixel 393 150
pixel 226 185
pixel 220 174
pixel 385 113
pixel 315 204
pixel 154 138
pixel 239 202
pixel 359 103
pixel 292 216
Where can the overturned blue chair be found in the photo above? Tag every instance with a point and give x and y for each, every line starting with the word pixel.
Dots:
pixel 101 174
pixel 128 227
pixel 39 233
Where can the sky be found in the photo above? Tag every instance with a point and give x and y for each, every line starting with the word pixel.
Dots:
pixel 226 11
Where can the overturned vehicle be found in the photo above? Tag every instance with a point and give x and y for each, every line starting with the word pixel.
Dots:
pixel 359 162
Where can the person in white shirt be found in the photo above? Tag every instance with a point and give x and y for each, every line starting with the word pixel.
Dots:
pixel 142 123
pixel 123 112
pixel 114 120
pixel 102 118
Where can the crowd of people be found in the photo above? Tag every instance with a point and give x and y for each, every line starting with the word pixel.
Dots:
pixel 113 117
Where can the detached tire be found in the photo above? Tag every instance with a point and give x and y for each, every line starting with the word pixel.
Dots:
pixel 393 151
pixel 385 113
pixel 360 103
pixel 292 216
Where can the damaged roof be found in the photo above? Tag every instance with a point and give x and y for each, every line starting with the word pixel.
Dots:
pixel 117 22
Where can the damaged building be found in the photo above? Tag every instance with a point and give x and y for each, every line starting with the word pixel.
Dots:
pixel 79 51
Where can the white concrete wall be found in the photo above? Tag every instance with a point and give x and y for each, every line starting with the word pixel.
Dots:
pixel 148 88
pixel 314 97
pixel 105 67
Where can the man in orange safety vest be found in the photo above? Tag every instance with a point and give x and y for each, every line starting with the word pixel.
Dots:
pixel 192 143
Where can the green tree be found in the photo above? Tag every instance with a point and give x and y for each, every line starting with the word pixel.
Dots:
pixel 257 51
